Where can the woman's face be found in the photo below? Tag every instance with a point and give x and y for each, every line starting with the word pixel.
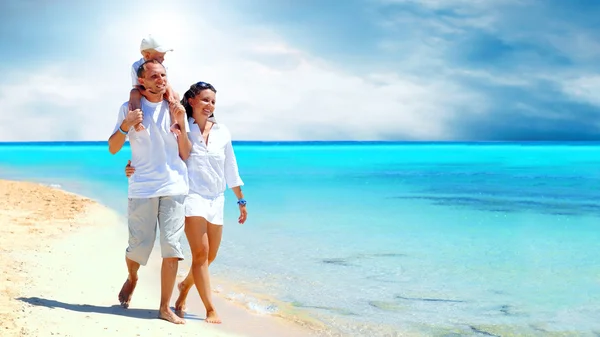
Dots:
pixel 204 103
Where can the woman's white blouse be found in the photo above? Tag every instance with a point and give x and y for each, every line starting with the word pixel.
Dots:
pixel 214 167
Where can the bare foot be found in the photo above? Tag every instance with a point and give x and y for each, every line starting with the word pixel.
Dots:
pixel 180 313
pixel 127 292
pixel 170 316
pixel 212 317
pixel 180 303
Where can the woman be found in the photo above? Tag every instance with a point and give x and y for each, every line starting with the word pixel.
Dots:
pixel 212 167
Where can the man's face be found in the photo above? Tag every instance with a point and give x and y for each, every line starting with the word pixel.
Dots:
pixel 155 78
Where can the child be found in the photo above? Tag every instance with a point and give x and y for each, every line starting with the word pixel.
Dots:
pixel 150 49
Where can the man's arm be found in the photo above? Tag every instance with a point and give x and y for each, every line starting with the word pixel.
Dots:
pixel 117 139
pixel 125 121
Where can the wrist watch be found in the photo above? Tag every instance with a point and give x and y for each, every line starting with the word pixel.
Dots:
pixel 241 202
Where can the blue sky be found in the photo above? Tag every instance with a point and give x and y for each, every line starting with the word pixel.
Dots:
pixel 328 70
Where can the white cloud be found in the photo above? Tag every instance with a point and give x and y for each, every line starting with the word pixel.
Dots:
pixel 267 88
pixel 584 89
pixel 543 51
pixel 458 4
pixel 43 104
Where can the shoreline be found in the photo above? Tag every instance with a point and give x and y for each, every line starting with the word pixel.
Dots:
pixel 62 267
pixel 242 301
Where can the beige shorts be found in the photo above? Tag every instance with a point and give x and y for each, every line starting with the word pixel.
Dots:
pixel 143 216
pixel 210 209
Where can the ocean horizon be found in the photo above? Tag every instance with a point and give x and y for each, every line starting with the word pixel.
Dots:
pixel 380 238
pixel 334 142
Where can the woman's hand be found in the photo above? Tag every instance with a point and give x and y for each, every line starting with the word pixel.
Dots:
pixel 129 170
pixel 178 112
pixel 241 204
pixel 243 214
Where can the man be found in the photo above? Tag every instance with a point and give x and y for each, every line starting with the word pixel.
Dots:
pixel 158 187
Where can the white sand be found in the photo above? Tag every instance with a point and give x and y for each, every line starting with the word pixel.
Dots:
pixel 62 266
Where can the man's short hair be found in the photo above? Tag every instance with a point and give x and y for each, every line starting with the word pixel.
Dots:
pixel 142 68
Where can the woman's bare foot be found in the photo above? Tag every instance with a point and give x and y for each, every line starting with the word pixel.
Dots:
pixel 180 313
pixel 212 317
pixel 180 303
pixel 170 316
pixel 126 292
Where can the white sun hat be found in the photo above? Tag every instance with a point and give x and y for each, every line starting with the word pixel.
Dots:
pixel 151 42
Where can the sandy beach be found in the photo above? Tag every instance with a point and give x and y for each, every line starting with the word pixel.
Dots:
pixel 62 265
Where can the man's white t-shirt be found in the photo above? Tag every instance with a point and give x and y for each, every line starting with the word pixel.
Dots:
pixel 134 69
pixel 159 171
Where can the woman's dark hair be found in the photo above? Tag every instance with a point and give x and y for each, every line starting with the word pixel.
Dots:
pixel 194 90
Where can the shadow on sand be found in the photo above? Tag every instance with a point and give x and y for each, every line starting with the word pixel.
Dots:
pixel 112 310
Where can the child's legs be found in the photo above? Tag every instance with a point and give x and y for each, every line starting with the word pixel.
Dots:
pixel 135 99
pixel 171 95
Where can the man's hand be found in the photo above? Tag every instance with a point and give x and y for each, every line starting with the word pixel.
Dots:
pixel 135 118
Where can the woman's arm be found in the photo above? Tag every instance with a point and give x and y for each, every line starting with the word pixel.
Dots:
pixel 232 175
pixel 241 204
pixel 183 142
pixel 238 192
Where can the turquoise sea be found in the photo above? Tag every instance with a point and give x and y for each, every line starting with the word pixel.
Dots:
pixel 375 239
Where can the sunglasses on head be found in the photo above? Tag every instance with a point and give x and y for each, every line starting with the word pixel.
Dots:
pixel 205 85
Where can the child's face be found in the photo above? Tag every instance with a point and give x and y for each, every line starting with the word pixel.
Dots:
pixel 152 54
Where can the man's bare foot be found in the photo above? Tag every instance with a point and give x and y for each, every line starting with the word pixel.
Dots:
pixel 180 303
pixel 126 292
pixel 212 317
pixel 170 316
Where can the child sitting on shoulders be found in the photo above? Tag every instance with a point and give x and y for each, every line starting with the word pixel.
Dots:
pixel 150 49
